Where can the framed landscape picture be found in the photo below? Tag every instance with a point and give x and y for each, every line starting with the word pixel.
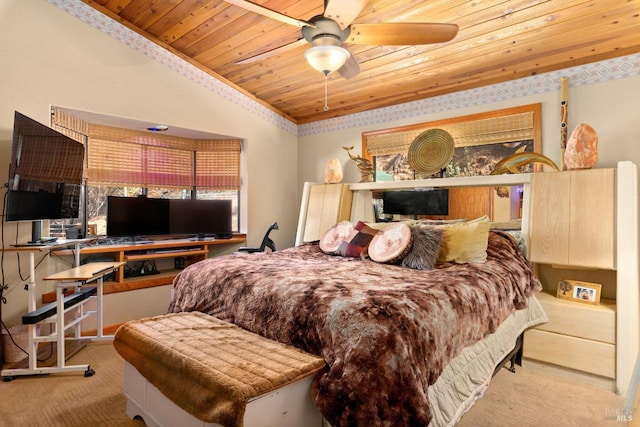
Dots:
pixel 480 142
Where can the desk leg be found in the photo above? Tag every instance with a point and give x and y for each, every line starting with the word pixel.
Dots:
pixel 60 326
pixel 100 331
pixel 76 260
pixel 31 305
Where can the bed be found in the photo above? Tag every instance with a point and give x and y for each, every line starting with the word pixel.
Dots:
pixel 402 345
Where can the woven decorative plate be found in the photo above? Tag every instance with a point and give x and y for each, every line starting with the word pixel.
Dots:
pixel 431 151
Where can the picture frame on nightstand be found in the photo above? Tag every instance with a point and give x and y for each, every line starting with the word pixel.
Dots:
pixel 579 291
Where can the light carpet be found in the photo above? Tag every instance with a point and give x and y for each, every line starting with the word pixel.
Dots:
pixel 528 398
pixel 525 398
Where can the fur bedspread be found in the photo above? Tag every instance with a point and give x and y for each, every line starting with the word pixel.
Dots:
pixel 385 332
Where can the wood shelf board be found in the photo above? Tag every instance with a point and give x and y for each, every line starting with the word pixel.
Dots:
pixel 158 244
pixel 52 246
pixel 472 181
pixel 548 297
pixel 141 282
pixel 139 257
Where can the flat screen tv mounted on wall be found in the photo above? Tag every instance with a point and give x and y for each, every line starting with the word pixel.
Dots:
pixel 45 175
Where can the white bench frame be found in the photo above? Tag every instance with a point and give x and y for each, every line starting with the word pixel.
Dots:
pixel 288 406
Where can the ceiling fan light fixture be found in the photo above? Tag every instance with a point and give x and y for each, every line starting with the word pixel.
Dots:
pixel 326 58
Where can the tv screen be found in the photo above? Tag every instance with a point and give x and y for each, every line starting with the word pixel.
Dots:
pixel 33 205
pixel 431 202
pixel 45 173
pixel 204 218
pixel 137 216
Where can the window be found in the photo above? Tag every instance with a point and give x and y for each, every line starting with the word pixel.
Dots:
pixel 124 162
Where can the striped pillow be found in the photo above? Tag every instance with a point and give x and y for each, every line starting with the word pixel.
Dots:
pixel 356 245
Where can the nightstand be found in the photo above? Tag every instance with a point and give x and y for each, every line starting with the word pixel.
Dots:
pixel 578 336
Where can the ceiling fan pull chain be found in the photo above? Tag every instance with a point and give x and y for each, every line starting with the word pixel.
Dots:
pixel 326 82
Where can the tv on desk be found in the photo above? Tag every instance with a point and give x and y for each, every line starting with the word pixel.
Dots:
pixel 202 218
pixel 33 205
pixel 142 216
pixel 137 216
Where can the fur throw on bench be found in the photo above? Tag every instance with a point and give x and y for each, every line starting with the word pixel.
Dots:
pixel 208 367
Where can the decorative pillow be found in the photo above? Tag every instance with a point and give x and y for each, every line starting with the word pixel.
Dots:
pixel 357 243
pixel 481 219
pixel 426 246
pixel 335 236
pixel 391 244
pixel 465 241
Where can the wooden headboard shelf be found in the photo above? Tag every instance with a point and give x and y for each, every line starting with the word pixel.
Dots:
pixel 362 196
pixel 464 181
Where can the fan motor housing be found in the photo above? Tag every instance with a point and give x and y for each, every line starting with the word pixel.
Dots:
pixel 324 27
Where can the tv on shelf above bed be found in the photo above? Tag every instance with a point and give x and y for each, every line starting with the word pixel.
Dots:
pixel 419 202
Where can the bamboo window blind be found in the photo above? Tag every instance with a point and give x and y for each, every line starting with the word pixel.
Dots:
pixel 218 164
pixel 515 127
pixel 117 156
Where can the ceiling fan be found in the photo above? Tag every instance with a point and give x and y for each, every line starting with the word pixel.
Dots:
pixel 334 27
pixel 328 32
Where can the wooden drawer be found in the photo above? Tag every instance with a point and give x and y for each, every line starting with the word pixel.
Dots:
pixel 592 322
pixel 575 353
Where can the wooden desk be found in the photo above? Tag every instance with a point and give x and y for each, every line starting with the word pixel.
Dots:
pixel 191 249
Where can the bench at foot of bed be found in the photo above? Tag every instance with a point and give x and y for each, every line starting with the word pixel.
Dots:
pixel 190 369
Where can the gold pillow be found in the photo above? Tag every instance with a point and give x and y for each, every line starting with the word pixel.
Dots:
pixel 465 242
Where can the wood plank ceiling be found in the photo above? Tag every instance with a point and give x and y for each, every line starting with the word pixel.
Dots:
pixel 497 41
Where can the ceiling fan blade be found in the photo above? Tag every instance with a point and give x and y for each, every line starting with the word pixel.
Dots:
pixel 274 52
pixel 401 33
pixel 351 68
pixel 344 12
pixel 269 13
